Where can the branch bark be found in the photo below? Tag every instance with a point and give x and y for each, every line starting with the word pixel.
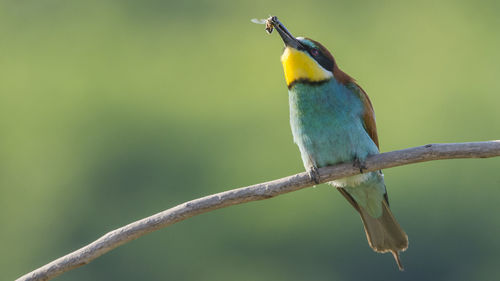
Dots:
pixel 260 191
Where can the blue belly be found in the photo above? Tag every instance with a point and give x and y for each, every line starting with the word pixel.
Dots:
pixel 327 124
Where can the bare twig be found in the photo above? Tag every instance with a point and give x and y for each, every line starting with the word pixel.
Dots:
pixel 255 192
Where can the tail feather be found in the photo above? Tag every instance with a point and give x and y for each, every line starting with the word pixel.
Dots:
pixel 384 234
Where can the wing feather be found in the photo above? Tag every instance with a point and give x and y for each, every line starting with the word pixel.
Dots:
pixel 368 114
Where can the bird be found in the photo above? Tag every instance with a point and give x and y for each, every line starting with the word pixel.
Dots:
pixel 333 121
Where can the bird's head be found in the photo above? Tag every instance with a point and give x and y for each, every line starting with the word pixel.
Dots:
pixel 307 61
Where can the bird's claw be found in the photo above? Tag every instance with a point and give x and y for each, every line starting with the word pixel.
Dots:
pixel 359 164
pixel 314 174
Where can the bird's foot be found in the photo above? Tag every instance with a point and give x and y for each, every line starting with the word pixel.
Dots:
pixel 359 164
pixel 314 174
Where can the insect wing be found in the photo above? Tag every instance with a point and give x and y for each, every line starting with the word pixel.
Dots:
pixel 259 21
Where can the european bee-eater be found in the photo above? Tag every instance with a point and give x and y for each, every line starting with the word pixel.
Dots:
pixel 332 121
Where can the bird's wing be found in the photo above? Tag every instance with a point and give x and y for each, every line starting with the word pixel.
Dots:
pixel 368 114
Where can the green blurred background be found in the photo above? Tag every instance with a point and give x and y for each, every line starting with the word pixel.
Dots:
pixel 111 111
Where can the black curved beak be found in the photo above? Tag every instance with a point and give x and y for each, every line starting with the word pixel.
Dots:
pixel 287 37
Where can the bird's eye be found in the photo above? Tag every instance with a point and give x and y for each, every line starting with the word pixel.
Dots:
pixel 314 52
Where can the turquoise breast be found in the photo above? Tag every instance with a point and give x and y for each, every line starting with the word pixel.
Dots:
pixel 327 124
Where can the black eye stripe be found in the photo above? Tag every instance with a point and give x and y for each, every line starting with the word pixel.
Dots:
pixel 323 60
pixel 308 49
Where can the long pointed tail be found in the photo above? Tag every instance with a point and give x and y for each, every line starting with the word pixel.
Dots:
pixel 384 233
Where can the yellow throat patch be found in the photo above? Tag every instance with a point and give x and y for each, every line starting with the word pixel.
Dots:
pixel 299 65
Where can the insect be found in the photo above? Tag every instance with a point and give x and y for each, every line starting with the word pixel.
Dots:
pixel 269 22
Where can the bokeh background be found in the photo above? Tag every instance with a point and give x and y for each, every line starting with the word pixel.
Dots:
pixel 111 111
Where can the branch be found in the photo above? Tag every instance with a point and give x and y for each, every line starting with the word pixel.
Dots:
pixel 260 191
